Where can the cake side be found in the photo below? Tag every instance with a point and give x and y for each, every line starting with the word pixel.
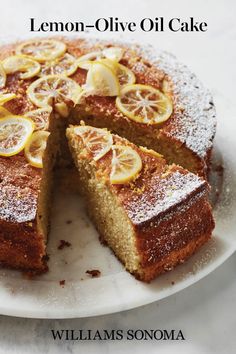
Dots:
pixel 25 202
pixel 195 115
pixel 164 213
pixel 172 238
pixel 21 244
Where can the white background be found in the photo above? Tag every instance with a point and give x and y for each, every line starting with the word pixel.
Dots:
pixel 206 311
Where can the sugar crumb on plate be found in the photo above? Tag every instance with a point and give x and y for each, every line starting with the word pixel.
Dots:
pixel 63 244
pixel 95 273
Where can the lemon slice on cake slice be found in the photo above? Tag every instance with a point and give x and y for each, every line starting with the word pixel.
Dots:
pixel 42 49
pixel 65 65
pixel 97 141
pixel 25 66
pixel 53 90
pixel 14 134
pixel 40 117
pixel 35 147
pixel 101 80
pixel 126 164
pixel 144 104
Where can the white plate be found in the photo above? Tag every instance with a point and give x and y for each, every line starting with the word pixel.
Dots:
pixel 116 290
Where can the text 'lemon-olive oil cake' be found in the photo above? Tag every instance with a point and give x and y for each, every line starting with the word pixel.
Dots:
pixel 142 95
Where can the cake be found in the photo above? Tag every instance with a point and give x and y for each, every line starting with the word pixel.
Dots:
pixel 44 87
pixel 153 222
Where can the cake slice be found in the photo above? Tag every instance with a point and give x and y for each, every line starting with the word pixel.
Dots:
pixel 152 215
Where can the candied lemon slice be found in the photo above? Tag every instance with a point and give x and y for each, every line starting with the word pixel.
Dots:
pixel 42 49
pixel 5 97
pixel 35 147
pixel 88 63
pixel 110 63
pixel 126 164
pixel 3 76
pixel 65 65
pixel 52 90
pixel 96 55
pixel 14 134
pixel 97 141
pixel 4 112
pixel 144 104
pixel 125 75
pixel 40 117
pixel 101 80
pixel 18 63
pixel 113 53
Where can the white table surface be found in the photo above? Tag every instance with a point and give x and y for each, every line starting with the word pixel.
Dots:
pixel 205 312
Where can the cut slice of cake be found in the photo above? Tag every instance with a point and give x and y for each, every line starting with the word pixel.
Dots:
pixel 25 199
pixel 152 215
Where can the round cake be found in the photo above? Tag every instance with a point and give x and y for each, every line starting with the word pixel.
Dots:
pixel 141 94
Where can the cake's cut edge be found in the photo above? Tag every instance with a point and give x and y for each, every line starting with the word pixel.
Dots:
pixel 148 230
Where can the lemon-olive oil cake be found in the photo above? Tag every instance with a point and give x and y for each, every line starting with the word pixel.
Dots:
pixel 152 215
pixel 47 84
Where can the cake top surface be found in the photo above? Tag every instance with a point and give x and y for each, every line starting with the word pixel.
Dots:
pixel 156 190
pixel 193 120
pixel 161 194
pixel 18 190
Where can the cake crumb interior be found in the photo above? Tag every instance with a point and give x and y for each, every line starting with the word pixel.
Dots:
pixel 112 223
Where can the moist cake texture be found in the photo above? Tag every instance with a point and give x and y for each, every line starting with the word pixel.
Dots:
pixel 166 219
pixel 152 223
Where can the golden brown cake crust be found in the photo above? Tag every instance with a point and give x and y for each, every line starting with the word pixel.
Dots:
pixel 19 179
pixel 20 183
pixel 21 245
pixel 193 121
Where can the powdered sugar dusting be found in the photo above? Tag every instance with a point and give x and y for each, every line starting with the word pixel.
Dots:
pixel 195 116
pixel 195 112
pixel 166 193
pixel 17 204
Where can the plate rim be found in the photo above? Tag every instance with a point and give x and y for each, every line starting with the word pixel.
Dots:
pixel 106 310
